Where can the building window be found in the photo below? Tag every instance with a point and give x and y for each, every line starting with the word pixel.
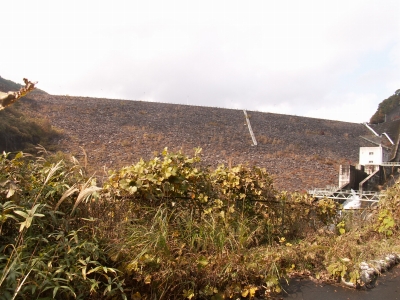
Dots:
pixel 371 153
pixel 371 161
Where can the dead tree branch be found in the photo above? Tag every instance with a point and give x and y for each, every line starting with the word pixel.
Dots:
pixel 6 99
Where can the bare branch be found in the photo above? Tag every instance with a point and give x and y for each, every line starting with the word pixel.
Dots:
pixel 6 99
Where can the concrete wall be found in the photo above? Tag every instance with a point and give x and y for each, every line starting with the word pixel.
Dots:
pixel 371 183
pixel 351 176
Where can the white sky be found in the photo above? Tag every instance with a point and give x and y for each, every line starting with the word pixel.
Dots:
pixel 327 59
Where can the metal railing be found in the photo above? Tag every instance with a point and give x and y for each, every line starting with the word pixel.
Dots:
pixel 390 164
pixel 250 129
pixel 367 196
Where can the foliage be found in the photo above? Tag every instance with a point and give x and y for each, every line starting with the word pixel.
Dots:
pixel 387 106
pixel 8 85
pixel 6 99
pixel 48 253
pixel 169 228
pixel 186 230
pixel 18 132
pixel 385 222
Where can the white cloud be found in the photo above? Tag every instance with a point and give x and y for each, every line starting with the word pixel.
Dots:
pixel 284 56
pixel 357 108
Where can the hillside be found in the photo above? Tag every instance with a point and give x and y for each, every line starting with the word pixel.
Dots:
pixel 388 109
pixel 299 152
pixel 18 130
pixel 8 85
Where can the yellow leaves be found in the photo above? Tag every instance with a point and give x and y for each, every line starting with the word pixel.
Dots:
pixel 147 279
pixel 232 290
pixel 188 294
pixel 385 222
pixel 202 262
pixel 132 266
pixel 210 290
pixel 249 291
pixel 354 276
pixel 272 282
pixel 338 269
pixel 165 151
pixel 203 198
pixel 341 227
pixel 9 98
pixel 207 210
pixel 128 185
pixel 218 203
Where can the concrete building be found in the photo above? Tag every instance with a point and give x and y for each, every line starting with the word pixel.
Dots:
pixel 373 155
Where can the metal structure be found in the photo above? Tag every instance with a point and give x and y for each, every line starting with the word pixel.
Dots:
pixel 250 129
pixel 390 164
pixel 344 195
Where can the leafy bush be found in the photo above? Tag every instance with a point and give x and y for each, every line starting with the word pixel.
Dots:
pixel 47 249
pixel 186 231
pixel 169 228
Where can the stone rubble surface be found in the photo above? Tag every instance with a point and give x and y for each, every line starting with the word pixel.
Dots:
pixel 299 152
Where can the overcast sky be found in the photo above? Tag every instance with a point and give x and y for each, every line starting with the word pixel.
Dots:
pixel 327 59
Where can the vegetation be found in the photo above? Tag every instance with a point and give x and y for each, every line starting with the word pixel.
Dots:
pixel 47 249
pixel 8 85
pixel 386 107
pixel 9 98
pixel 168 228
pixel 18 131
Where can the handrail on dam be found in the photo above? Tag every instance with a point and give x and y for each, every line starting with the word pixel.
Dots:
pixel 250 129
pixel 390 164
pixel 371 129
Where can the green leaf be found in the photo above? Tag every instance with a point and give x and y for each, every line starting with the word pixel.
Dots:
pixel 21 213
pixel 55 291
pixel 84 273
pixel 202 262
pixel 11 192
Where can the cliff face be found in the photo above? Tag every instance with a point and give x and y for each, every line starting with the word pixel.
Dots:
pixel 299 152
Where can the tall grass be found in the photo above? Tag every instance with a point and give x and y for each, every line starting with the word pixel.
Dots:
pixel 44 252
pixel 169 229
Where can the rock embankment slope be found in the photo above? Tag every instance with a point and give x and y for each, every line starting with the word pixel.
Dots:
pixel 299 152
